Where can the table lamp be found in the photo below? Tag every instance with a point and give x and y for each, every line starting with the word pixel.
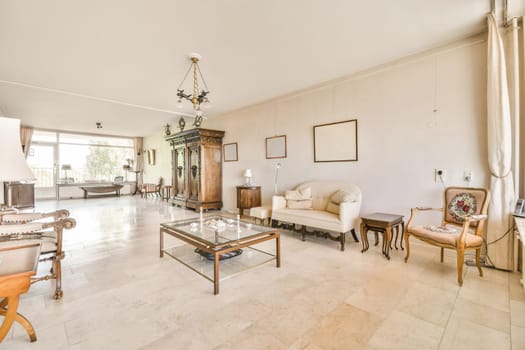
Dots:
pixel 66 168
pixel 126 168
pixel 13 165
pixel 248 176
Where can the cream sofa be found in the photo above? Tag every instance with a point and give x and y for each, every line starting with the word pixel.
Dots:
pixel 324 217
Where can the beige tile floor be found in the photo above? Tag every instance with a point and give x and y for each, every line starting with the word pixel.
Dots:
pixel 118 294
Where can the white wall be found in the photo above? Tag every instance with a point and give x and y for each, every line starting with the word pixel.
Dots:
pixel 401 138
pixel 162 165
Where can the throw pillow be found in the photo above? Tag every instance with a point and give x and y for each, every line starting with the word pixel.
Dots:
pixel 293 195
pixel 299 199
pixel 340 196
pixel 337 198
pixel 332 208
pixel 305 193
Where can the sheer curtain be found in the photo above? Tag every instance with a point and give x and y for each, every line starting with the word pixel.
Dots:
pixel 26 134
pixel 138 143
pixel 499 141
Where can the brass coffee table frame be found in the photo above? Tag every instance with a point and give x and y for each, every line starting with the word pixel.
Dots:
pixel 219 249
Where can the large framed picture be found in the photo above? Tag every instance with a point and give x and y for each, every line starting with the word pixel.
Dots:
pixel 230 152
pixel 276 147
pixel 336 142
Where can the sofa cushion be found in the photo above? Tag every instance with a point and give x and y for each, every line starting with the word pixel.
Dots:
pixel 314 218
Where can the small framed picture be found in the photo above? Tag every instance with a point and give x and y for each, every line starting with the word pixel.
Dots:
pixel 276 147
pixel 230 152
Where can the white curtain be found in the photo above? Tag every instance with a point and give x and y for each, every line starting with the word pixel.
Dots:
pixel 139 153
pixel 139 159
pixel 26 134
pixel 499 235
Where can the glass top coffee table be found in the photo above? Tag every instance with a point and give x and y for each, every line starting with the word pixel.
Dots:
pixel 219 241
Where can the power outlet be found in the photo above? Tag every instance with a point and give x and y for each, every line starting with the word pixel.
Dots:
pixel 467 176
pixel 439 175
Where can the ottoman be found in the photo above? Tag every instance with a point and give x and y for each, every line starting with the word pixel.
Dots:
pixel 261 213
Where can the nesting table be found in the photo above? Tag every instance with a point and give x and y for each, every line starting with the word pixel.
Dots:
pixel 382 223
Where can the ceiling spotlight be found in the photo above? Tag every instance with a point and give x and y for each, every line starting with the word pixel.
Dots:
pixel 99 125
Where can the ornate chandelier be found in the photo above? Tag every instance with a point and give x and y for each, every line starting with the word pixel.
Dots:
pixel 197 98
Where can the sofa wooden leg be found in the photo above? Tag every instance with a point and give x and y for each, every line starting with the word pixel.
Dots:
pixel 303 233
pixel 342 239
pixel 354 235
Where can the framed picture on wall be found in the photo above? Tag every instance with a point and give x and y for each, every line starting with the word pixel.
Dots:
pixel 336 142
pixel 276 147
pixel 151 156
pixel 230 152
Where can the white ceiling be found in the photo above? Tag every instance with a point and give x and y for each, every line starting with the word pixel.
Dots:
pixel 68 64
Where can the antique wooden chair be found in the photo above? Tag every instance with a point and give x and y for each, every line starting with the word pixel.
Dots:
pixel 461 229
pixel 14 217
pixel 17 264
pixel 151 188
pixel 26 226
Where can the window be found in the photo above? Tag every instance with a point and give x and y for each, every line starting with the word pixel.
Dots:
pixel 77 158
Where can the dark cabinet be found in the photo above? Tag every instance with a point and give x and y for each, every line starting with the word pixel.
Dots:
pixel 197 168
pixel 248 197
pixel 19 195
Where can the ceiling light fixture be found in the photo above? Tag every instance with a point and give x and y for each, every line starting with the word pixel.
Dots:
pixel 197 99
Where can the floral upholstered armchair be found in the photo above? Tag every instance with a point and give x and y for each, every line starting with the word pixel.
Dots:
pixel 461 228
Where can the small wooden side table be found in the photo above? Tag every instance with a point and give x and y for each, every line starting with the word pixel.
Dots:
pixel 165 192
pixel 383 223
pixel 248 197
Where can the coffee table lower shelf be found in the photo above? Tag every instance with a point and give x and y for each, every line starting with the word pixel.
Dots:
pixel 250 258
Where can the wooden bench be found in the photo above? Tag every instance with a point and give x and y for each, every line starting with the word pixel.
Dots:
pixel 102 189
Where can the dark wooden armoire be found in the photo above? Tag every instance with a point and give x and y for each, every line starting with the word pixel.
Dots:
pixel 196 162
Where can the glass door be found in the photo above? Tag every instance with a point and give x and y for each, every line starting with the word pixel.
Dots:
pixel 42 160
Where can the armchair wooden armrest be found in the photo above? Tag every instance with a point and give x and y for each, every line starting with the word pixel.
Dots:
pixel 413 212
pixel 467 224
pixel 22 218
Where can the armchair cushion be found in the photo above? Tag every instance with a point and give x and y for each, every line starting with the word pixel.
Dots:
pixel 441 237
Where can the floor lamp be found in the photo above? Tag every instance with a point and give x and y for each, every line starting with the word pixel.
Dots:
pixel 277 167
pixel 13 165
